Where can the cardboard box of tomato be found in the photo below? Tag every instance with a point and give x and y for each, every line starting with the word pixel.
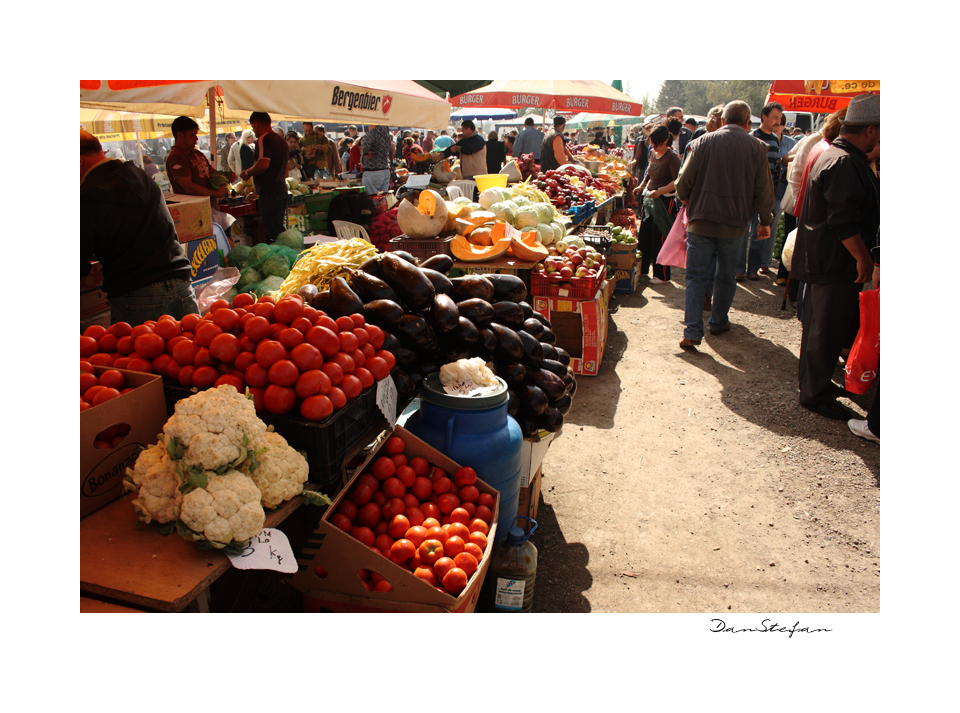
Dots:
pixel 144 411
pixel 333 564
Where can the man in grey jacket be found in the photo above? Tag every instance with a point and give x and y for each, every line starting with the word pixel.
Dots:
pixel 724 178
pixel 528 141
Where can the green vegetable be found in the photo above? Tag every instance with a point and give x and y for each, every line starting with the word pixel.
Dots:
pixel 239 256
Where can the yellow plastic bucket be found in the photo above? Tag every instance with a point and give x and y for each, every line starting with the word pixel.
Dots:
pixel 489 180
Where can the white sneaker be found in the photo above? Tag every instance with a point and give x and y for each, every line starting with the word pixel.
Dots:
pixel 657 281
pixel 859 427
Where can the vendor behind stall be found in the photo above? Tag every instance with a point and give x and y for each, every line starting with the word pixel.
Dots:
pixel 269 175
pixel 316 148
pixel 126 226
pixel 188 169
pixel 472 149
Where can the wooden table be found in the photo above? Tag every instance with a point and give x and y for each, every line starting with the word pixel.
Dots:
pixel 147 569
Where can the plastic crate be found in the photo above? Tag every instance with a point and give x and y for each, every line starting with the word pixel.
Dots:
pixel 238 210
pixel 577 288
pixel 319 202
pixel 326 443
pixel 318 222
pixel 422 249
pixel 599 237
pixel 296 199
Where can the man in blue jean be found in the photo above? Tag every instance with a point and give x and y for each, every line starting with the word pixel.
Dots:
pixel 724 178
pixel 755 253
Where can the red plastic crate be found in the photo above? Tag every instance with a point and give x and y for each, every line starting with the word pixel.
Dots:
pixel 422 249
pixel 578 288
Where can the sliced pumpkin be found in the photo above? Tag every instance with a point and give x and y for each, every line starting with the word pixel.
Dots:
pixel 463 227
pixel 480 236
pixel 465 251
pixel 481 217
pixel 528 248
pixel 455 211
pixel 427 220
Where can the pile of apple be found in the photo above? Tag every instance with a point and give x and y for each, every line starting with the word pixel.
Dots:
pixel 430 522
pixel 568 261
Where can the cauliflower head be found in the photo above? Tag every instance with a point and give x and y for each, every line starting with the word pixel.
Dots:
pixel 157 480
pixel 282 472
pixel 227 510
pixel 214 428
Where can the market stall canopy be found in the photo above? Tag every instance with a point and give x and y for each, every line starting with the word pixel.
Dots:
pixel 820 96
pixel 384 102
pixel 586 120
pixel 562 95
pixel 446 88
pixel 493 113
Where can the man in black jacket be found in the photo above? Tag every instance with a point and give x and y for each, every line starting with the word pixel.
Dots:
pixel 126 226
pixel 685 134
pixel 839 225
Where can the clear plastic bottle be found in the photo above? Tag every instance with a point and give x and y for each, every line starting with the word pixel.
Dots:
pixel 513 567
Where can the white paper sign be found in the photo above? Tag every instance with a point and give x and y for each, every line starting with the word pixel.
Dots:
pixel 387 400
pixel 268 550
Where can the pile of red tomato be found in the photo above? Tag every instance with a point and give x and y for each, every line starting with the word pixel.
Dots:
pixel 95 390
pixel 420 517
pixel 292 357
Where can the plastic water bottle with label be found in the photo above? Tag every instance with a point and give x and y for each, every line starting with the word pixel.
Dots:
pixel 513 567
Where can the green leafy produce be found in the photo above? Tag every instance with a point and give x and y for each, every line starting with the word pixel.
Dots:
pixel 276 265
pixel 239 256
pixel 248 276
pixel 291 238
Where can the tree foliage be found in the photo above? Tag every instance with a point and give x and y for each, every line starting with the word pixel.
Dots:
pixel 697 96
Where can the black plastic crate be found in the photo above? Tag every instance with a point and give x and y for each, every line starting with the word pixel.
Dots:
pixel 326 443
pixel 599 237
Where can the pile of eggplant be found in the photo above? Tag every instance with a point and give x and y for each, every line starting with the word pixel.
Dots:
pixel 431 319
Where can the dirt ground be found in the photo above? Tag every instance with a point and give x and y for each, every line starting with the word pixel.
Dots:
pixel 695 482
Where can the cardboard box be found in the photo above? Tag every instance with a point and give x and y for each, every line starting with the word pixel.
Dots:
pixel 336 586
pixel 623 256
pixel 203 256
pixel 626 281
pixel 100 318
pixel 580 326
pixel 532 452
pixel 191 215
pixel 102 469
pixel 530 499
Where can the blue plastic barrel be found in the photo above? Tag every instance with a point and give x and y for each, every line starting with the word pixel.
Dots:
pixel 476 432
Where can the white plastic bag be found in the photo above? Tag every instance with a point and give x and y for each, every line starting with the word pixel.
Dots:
pixel 219 285
pixel 786 256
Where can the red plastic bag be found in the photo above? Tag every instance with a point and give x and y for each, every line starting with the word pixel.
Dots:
pixel 673 252
pixel 864 360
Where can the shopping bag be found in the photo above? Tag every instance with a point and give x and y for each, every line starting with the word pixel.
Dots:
pixel 864 360
pixel 786 255
pixel 673 252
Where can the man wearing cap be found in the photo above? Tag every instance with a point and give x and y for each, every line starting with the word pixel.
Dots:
pixel 838 228
pixel 553 150
pixel 528 141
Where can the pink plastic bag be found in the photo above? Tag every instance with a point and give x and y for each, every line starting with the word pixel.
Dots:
pixel 864 360
pixel 673 252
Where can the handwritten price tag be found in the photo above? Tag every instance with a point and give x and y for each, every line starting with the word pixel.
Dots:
pixel 387 400
pixel 268 550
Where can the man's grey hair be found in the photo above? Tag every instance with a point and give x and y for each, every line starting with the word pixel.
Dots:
pixel 737 112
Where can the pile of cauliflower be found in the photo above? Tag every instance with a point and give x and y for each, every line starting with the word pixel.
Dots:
pixel 214 469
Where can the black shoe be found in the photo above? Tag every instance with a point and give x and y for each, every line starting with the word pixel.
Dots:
pixel 831 409
pixel 835 390
pixel 740 277
pixel 753 276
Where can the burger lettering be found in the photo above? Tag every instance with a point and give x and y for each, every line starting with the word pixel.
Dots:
pixel 798 102
pixel 525 100
pixel 578 102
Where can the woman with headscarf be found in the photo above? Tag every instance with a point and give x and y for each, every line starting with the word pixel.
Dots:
pixel 242 156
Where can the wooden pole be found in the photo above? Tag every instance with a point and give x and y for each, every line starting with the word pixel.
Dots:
pixel 212 112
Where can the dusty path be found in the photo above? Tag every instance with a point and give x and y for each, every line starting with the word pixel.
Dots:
pixel 695 482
